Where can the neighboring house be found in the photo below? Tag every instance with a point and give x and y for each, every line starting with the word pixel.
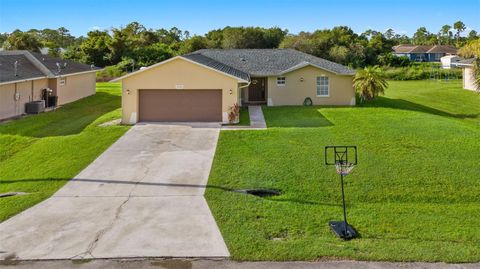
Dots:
pixel 25 75
pixel 424 53
pixel 468 77
pixel 45 50
pixel 205 84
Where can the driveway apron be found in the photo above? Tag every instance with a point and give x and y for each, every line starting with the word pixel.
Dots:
pixel 143 197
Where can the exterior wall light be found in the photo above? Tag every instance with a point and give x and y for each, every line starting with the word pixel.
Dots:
pixel 301 79
pixel 128 92
pixel 231 92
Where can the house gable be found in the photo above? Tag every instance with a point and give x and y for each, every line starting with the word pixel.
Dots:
pixel 178 58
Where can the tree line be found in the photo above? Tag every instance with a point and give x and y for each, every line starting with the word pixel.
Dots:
pixel 133 46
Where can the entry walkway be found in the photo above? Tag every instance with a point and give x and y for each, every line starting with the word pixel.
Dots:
pixel 257 120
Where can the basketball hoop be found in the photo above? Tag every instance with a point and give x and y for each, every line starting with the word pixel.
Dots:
pixel 344 158
pixel 344 168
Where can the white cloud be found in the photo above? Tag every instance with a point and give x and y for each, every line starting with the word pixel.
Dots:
pixel 95 28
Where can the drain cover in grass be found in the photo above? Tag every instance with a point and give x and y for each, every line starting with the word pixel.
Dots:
pixel 260 192
pixel 8 194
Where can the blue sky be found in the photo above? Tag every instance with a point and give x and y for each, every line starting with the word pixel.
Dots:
pixel 200 16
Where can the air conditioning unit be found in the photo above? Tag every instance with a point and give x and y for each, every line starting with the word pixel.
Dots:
pixel 35 107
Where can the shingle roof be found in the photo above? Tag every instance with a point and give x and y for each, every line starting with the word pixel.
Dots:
pixel 25 68
pixel 443 49
pixel 32 65
pixel 201 59
pixel 420 49
pixel 464 62
pixel 425 49
pixel 70 67
pixel 403 48
pixel 263 62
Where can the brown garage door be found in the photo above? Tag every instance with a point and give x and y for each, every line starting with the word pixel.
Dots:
pixel 180 105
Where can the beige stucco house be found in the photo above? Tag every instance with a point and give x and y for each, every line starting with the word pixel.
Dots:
pixel 24 76
pixel 205 84
pixel 468 77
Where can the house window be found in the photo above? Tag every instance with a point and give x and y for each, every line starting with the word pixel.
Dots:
pixel 281 81
pixel 322 86
pixel 420 58
pixel 62 81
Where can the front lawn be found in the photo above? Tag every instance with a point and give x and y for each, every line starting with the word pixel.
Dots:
pixel 244 117
pixel 40 153
pixel 414 195
pixel 294 117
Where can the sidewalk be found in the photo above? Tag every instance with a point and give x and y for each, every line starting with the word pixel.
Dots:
pixel 227 264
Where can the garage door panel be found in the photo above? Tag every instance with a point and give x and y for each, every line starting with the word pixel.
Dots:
pixel 180 105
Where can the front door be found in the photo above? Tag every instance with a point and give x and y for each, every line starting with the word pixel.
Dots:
pixel 257 90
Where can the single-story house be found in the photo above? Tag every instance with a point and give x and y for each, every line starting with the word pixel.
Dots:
pixel 424 53
pixel 25 76
pixel 205 84
pixel 468 76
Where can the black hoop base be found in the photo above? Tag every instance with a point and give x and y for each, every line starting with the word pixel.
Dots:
pixel 338 227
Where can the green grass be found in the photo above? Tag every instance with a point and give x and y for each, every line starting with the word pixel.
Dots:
pixel 414 195
pixel 434 97
pixel 294 117
pixel 40 153
pixel 244 117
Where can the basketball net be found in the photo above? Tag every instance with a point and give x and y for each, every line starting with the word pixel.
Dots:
pixel 344 168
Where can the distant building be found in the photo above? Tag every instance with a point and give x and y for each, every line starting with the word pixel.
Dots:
pixel 449 61
pixel 424 53
pixel 468 77
pixel 30 77
pixel 45 50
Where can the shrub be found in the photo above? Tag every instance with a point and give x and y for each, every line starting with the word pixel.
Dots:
pixel 110 72
pixel 234 113
pixel 418 71
pixel 388 59
pixel 476 74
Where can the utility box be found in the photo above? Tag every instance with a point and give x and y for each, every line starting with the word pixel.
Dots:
pixel 35 107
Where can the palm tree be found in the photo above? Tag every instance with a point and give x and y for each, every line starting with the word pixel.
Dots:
pixel 472 50
pixel 476 74
pixel 446 34
pixel 369 83
pixel 460 27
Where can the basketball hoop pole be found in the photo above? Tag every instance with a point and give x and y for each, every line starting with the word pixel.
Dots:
pixel 344 208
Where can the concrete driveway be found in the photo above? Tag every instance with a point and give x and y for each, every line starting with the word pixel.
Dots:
pixel 143 197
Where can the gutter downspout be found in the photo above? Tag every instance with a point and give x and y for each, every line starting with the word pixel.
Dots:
pixel 32 93
pixel 248 84
pixel 244 86
pixel 15 108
